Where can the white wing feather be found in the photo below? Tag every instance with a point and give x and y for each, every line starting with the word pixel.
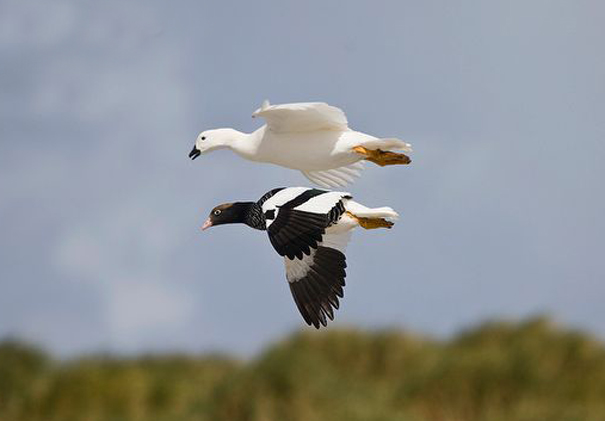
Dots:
pixel 298 268
pixel 336 177
pixel 302 117
pixel 323 203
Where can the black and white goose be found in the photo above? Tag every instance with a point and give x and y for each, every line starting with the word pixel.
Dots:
pixel 310 228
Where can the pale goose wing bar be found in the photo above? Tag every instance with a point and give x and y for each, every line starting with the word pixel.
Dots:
pixel 302 117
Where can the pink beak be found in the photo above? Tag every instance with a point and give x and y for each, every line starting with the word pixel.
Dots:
pixel 207 224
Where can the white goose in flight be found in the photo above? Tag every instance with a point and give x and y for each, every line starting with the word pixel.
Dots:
pixel 312 137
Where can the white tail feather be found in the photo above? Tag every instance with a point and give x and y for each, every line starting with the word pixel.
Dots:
pixel 362 211
pixel 388 144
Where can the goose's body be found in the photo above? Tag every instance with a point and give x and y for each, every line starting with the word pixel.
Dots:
pixel 313 138
pixel 303 151
pixel 310 228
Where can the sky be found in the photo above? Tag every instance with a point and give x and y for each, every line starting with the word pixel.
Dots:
pixel 100 208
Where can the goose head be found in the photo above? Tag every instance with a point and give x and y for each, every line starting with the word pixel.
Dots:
pixel 210 140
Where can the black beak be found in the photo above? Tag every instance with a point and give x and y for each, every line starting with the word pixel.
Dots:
pixel 195 152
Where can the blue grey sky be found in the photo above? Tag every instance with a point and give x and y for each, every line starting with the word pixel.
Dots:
pixel 100 208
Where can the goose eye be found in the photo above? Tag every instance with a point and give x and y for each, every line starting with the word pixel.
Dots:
pixel 217 212
pixel 203 137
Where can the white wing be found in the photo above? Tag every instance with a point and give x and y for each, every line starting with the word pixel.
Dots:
pixel 336 177
pixel 302 117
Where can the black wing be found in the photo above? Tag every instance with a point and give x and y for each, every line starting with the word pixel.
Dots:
pixel 294 233
pixel 316 291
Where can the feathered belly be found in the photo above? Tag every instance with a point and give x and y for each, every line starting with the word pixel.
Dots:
pixel 310 151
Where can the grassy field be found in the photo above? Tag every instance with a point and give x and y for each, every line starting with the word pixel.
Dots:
pixel 496 372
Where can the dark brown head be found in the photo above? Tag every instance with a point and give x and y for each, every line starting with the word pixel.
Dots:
pixel 228 213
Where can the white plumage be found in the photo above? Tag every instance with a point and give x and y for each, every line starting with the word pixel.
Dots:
pixel 312 137
pixel 302 117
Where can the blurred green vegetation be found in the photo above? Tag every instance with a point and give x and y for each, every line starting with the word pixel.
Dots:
pixel 499 371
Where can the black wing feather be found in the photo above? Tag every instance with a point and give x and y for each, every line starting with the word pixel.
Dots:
pixel 316 294
pixel 294 232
